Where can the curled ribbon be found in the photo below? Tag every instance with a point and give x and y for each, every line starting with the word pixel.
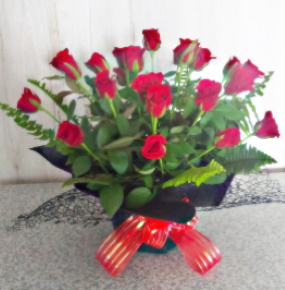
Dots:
pixel 118 249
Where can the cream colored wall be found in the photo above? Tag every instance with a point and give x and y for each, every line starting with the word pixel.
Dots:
pixel 32 31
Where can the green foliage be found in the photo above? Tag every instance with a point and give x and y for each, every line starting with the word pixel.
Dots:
pixel 81 165
pixel 119 161
pixel 100 179
pixel 196 175
pixel 244 158
pixel 138 197
pixel 111 198
pixel 23 120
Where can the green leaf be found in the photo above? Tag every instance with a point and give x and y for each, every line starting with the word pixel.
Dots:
pixel 195 131
pixel 101 179
pixel 197 175
pixel 119 161
pixel 81 165
pixel 189 108
pixel 55 77
pixel 138 197
pixel 170 74
pixel 144 171
pixel 148 180
pixel 177 129
pixel 61 95
pixel 216 179
pixel 70 110
pixel 104 136
pixel 121 143
pixel 73 85
pixel 111 198
pixel 244 158
pixel 122 124
pixel 129 94
pixel 105 106
pixel 229 112
pixel 206 118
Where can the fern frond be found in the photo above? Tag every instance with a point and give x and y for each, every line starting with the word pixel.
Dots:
pixel 244 158
pixel 197 175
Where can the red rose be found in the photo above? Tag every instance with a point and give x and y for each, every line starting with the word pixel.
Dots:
pixel 70 133
pixel 144 81
pixel 151 39
pixel 154 147
pixel 121 76
pixel 203 57
pixel 60 60
pixel 158 98
pixel 240 76
pixel 97 62
pixel 184 51
pixel 24 103
pixel 207 94
pixel 106 86
pixel 266 128
pixel 130 58
pixel 227 138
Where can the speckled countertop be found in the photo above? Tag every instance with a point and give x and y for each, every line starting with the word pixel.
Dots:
pixel 53 256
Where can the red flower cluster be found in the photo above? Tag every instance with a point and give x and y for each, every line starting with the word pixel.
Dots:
pixel 130 58
pixel 227 138
pixel 70 133
pixel 106 86
pixel 154 147
pixel 24 104
pixel 241 77
pixel 267 128
pixel 61 59
pixel 151 39
pixel 188 52
pixel 207 94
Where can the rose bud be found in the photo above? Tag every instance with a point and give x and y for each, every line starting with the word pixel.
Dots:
pixel 121 76
pixel 184 53
pixel 70 133
pixel 106 86
pixel 154 147
pixel 97 63
pixel 227 138
pixel 207 94
pixel 130 58
pixel 151 39
pixel 252 69
pixel 230 64
pixel 61 59
pixel 24 104
pixel 158 99
pixel 144 81
pixel 266 128
pixel 202 59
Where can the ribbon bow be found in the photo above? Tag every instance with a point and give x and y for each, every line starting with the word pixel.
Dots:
pixel 118 249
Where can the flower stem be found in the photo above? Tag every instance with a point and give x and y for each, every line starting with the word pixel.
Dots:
pixel 94 156
pixel 200 114
pixel 85 91
pixel 202 154
pixel 154 122
pixel 161 165
pixel 112 107
pixel 152 60
pixel 41 108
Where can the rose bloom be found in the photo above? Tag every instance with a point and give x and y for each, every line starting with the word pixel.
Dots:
pixel 106 86
pixel 158 99
pixel 63 57
pixel 144 81
pixel 207 94
pixel 130 57
pixel 120 76
pixel 97 63
pixel 241 77
pixel 151 39
pixel 227 138
pixel 154 147
pixel 202 59
pixel 24 103
pixel 70 133
pixel 266 128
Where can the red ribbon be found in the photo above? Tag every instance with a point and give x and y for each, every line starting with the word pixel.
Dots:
pixel 118 249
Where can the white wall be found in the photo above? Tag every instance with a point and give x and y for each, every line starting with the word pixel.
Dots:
pixel 32 31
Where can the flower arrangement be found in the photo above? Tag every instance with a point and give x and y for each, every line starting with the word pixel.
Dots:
pixel 146 131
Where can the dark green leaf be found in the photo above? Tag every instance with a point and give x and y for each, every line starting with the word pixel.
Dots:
pixel 122 124
pixel 119 161
pixel 177 129
pixel 81 165
pixel 195 131
pixel 137 197
pixel 148 180
pixel 70 110
pixel 101 179
pixel 104 136
pixel 121 143
pixel 170 74
pixel 111 198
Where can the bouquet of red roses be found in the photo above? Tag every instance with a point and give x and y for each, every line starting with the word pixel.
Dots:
pixel 145 131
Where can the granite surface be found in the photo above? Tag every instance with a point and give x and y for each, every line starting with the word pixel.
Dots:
pixel 60 256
